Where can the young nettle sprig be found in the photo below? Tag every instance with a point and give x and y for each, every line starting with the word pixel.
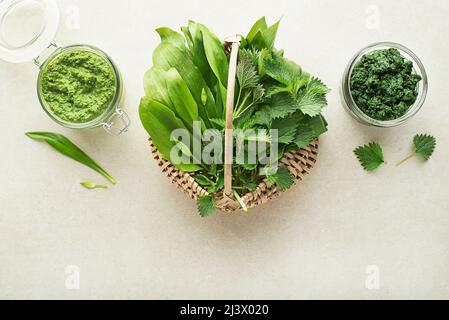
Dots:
pixel 424 145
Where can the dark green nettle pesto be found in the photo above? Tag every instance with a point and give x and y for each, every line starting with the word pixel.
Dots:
pixel 384 85
pixel 78 85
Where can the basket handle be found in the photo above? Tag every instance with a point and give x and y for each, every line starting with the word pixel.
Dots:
pixel 234 42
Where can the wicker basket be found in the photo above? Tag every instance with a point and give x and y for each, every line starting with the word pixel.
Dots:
pixel 299 163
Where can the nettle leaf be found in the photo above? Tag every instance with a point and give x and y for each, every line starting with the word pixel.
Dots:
pixel 282 70
pixel 425 145
pixel 311 103
pixel 206 206
pixel 309 129
pixel 283 179
pixel 282 105
pixel 370 156
pixel 246 74
pixel 287 129
pixel 317 86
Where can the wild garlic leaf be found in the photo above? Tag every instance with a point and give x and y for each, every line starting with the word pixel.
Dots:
pixel 270 34
pixel 370 156
pixel 66 147
pixel 203 180
pixel 259 26
pixel 92 186
pixel 206 206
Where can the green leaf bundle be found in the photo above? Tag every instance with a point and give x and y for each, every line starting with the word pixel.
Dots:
pixel 188 82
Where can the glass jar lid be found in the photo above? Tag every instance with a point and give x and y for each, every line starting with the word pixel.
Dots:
pixel 27 27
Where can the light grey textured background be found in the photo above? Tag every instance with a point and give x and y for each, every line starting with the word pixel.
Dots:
pixel 143 239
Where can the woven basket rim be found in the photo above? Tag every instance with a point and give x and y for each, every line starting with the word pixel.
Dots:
pixel 299 162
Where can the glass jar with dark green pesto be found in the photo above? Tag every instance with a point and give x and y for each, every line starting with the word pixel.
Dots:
pixel 384 85
pixel 79 86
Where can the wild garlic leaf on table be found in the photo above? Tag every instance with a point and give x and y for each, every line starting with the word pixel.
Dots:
pixel 66 147
pixel 92 186
pixel 370 156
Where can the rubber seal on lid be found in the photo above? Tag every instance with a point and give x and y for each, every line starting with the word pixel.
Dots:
pixel 27 27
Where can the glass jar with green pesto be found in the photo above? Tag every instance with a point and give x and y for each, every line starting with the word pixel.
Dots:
pixel 384 85
pixel 78 86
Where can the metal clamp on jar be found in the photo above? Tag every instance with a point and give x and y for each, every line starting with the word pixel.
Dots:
pixel 27 31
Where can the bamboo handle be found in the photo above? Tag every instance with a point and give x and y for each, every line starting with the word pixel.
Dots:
pixel 229 140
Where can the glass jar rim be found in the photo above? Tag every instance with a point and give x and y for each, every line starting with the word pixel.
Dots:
pixel 113 104
pixel 422 86
pixel 22 39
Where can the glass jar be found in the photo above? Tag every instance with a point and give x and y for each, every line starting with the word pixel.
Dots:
pixel 27 30
pixel 351 106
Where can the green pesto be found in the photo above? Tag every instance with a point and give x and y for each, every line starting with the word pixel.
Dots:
pixel 78 85
pixel 384 85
